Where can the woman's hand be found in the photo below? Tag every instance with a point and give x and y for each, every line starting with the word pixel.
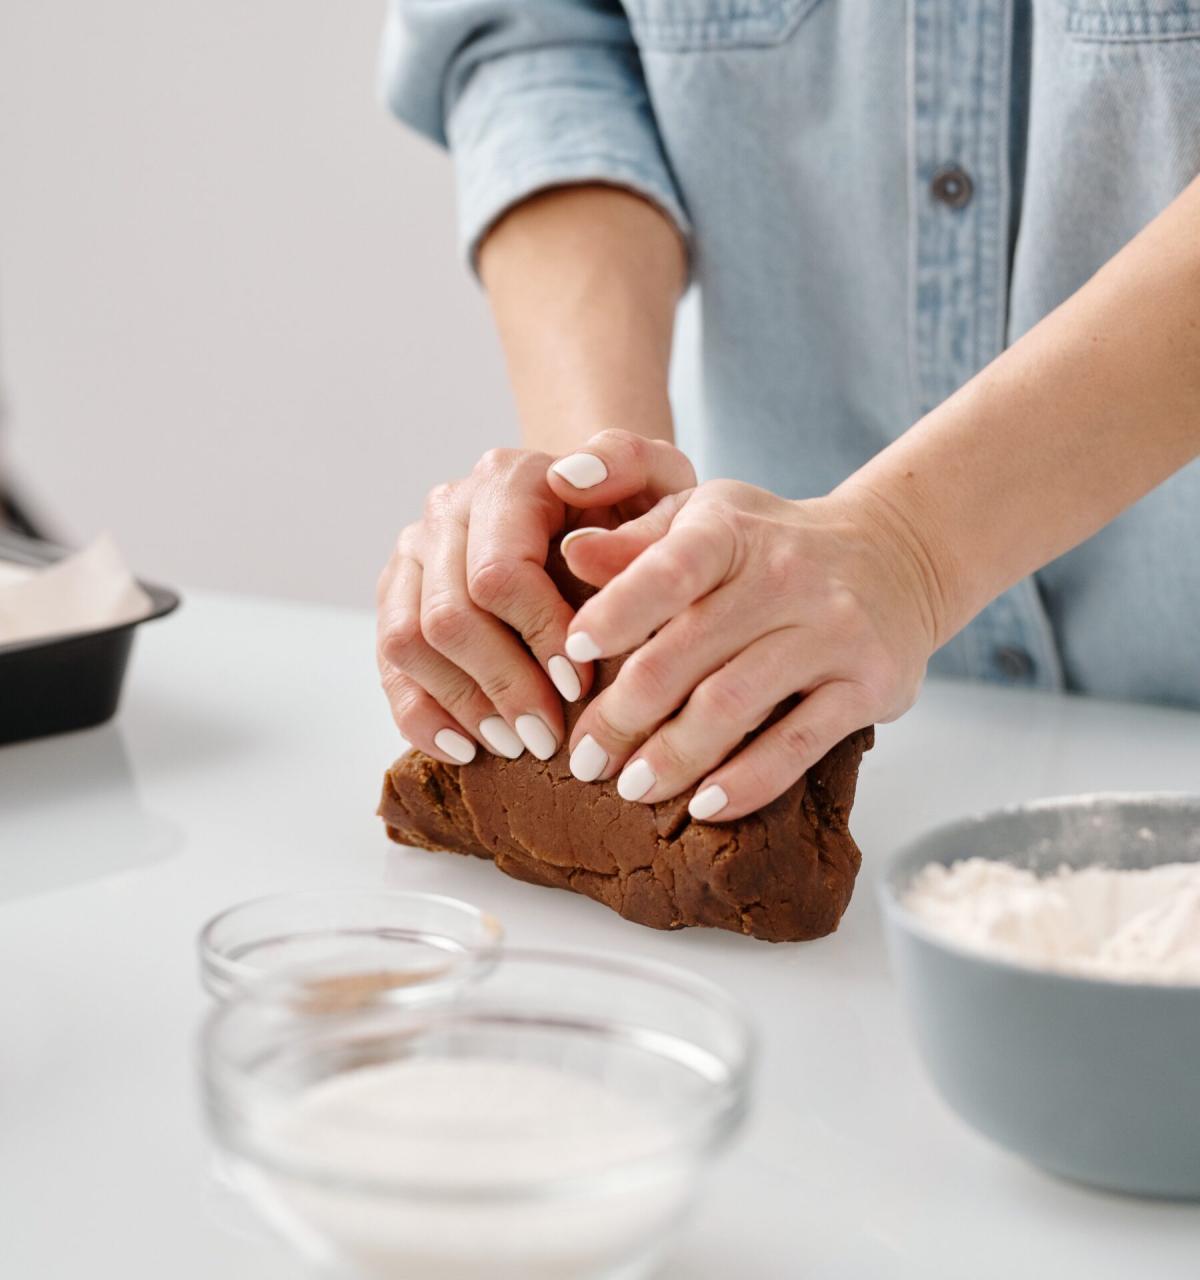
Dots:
pixel 471 631
pixel 733 600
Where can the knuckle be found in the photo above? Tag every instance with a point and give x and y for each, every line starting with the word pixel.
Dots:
pixel 384 581
pixel 404 700
pixel 667 451
pixel 407 539
pixel 502 687
pixel 494 460
pixel 493 582
pixel 646 678
pixel 620 440
pixel 399 638
pixel 880 678
pixel 752 779
pixel 608 724
pixel 725 698
pixel 729 492
pixel 532 463
pixel 723 520
pixel 843 613
pixel 872 669
pixel 800 741
pixel 783 567
pixel 683 566
pixel 439 497
pixel 689 469
pixel 861 704
pixel 674 757
pixel 445 623
pixel 884 689
pixel 458 694
pixel 540 630
pixel 402 695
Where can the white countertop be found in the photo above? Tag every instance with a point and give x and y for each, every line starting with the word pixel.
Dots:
pixel 247 759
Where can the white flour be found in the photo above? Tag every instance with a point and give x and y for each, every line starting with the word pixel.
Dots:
pixel 1132 926
pixel 446 1124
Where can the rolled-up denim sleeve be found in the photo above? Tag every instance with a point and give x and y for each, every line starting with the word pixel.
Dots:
pixel 527 94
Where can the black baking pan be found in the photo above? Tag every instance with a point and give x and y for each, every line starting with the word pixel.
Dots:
pixel 58 683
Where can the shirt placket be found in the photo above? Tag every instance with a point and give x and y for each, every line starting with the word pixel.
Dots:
pixel 960 82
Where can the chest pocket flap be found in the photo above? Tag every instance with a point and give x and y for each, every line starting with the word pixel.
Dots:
pixel 680 25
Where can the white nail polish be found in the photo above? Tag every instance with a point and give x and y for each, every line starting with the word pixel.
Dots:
pixel 707 803
pixel 636 779
pixel 589 759
pixel 565 677
pixel 583 470
pixel 455 745
pixel 496 733
pixel 536 736
pixel 581 647
pixel 568 538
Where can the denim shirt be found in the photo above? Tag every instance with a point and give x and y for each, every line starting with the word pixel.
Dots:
pixel 877 198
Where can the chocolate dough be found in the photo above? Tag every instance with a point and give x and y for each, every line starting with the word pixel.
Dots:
pixel 784 874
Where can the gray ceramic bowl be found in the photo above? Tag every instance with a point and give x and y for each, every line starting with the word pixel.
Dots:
pixel 1094 1080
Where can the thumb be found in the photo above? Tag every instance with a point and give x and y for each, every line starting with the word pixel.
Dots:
pixel 596 555
pixel 617 465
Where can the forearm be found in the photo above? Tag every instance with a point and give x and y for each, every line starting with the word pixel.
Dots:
pixel 583 283
pixel 1090 410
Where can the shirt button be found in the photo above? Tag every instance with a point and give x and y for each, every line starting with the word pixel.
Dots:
pixel 952 186
pixel 1013 663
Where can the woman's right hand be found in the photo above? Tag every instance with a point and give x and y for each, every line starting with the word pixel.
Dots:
pixel 471 630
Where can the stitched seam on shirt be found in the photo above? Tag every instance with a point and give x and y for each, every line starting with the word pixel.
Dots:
pixel 459 93
pixel 764 26
pixel 1107 25
pixel 568 167
pixel 476 97
pixel 1171 37
pixel 916 390
pixel 995 33
pixel 484 201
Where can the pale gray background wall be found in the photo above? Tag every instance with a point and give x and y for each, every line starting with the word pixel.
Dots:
pixel 233 326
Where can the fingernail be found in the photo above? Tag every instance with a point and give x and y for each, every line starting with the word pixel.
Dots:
pixel 589 759
pixel 636 779
pixel 565 677
pixel 455 745
pixel 581 647
pixel 583 470
pixel 536 736
pixel 707 803
pixel 496 733
pixel 568 538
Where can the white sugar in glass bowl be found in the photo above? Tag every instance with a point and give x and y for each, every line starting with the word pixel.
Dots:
pixel 547 1121
pixel 350 937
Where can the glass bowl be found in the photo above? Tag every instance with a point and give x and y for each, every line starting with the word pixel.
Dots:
pixel 354 940
pixel 548 1121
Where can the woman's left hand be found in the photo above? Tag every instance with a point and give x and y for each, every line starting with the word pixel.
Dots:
pixel 733 600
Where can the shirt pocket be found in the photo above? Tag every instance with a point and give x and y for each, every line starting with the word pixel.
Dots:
pixel 1130 21
pixel 692 25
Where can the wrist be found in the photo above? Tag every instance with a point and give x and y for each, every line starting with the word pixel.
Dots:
pixel 911 557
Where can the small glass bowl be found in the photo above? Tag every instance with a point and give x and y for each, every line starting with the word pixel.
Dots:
pixel 548 1121
pixel 346 943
